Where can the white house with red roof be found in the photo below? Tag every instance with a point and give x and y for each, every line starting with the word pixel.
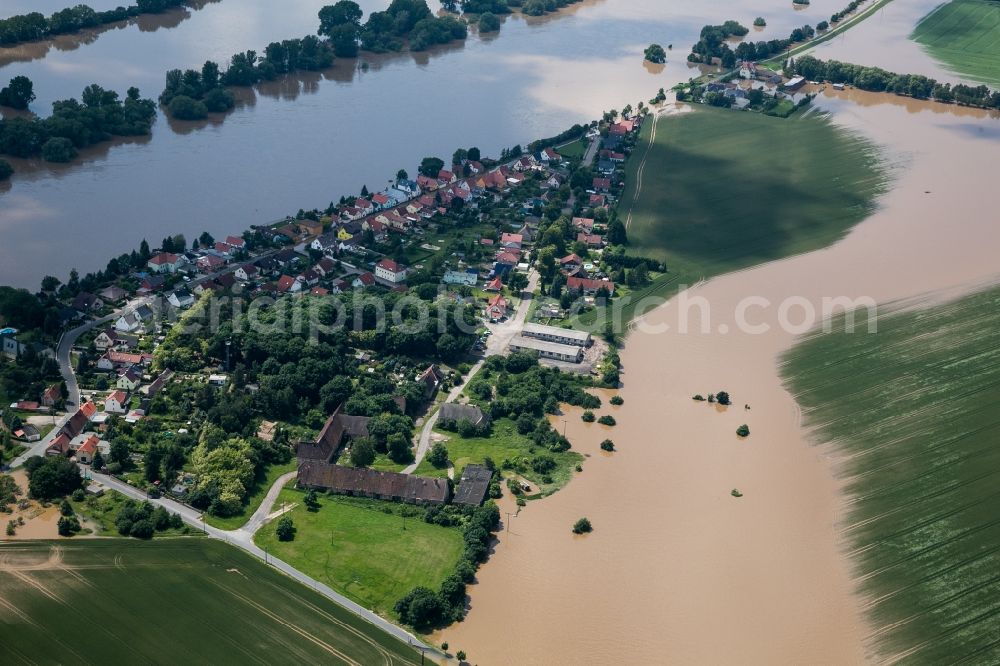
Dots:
pixel 390 271
pixel 116 403
pixel 363 280
pixel 165 262
pixel 497 307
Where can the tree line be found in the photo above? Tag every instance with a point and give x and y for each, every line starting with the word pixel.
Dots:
pixel 34 25
pixel 98 116
pixel 875 79
pixel 712 44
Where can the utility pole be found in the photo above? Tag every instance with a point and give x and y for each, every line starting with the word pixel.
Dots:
pixel 564 427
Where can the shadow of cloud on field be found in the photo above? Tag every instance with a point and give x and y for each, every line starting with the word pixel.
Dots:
pixel 739 215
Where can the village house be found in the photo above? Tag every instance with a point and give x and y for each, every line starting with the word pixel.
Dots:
pixel 431 378
pixel 165 262
pixel 113 294
pixel 85 303
pixel 590 287
pixel 327 243
pixel 390 271
pixel 288 285
pixel 496 308
pixel 151 284
pixel 52 395
pixel 570 262
pixel 494 285
pixel 469 276
pixel 592 241
pixel 363 280
pixel 129 380
pixel 113 360
pixel 584 224
pixel 181 299
pixel 247 273
pixel 602 185
pixel 116 403
pixel 27 433
pixel 210 263
pixel 140 320
pixel 112 339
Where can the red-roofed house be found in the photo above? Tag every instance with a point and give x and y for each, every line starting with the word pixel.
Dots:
pixel 363 280
pixel 235 242
pixel 570 262
pixel 585 224
pixel 59 446
pixel 589 286
pixel 590 240
pixel 446 176
pixel 496 310
pixel 496 284
pixel 52 395
pixel 602 184
pixel 210 263
pixel 116 403
pixel 509 258
pixel 165 262
pixel 390 271
pixel 288 285
pixel 85 454
pixel 512 240
pixel 380 201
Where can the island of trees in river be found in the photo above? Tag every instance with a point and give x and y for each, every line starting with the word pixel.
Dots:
pixel 34 26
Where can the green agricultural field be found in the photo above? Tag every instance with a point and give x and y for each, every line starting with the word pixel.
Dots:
pixel 504 443
pixel 913 409
pixel 722 190
pixel 360 548
pixel 964 35
pixel 195 601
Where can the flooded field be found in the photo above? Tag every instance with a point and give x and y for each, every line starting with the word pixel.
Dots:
pixel 677 569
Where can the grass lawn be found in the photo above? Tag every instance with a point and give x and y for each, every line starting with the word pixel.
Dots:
pixel 573 150
pixel 254 500
pixel 723 190
pixel 171 601
pixel 913 411
pixel 505 443
pixel 964 35
pixel 359 548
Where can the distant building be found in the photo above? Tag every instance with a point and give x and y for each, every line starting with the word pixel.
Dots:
pixel 795 83
pixel 467 277
pixel 390 271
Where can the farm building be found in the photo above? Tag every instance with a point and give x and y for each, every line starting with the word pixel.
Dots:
pixel 474 485
pixel 544 349
pixel 338 427
pixel 564 336
pixel 359 482
pixel 453 411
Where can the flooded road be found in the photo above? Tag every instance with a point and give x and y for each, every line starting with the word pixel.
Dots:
pixel 678 570
pixel 307 140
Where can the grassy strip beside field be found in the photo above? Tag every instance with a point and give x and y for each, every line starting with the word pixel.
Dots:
pixel 171 601
pixel 913 410
pixel 360 548
pixel 964 35
pixel 723 190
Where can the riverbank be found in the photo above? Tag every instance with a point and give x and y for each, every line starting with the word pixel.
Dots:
pixel 705 576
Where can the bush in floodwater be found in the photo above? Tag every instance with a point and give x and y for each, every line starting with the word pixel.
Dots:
pixel 743 430
pixel 607 420
pixel 736 493
pixel 607 445
pixel 722 398
pixel 588 416
pixel 699 397
pixel 582 526
pixel 617 400
pixel 759 22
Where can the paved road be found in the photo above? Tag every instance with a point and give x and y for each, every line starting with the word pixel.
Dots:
pixel 502 334
pixel 591 154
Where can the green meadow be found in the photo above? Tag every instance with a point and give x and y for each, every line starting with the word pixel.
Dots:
pixel 722 190
pixel 913 411
pixel 370 551
pixel 964 35
pixel 194 601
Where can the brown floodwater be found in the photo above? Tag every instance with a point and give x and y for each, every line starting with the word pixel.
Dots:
pixel 308 139
pixel 883 40
pixel 678 570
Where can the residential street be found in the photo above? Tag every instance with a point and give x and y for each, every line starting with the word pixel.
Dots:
pixel 64 357
pixel 502 334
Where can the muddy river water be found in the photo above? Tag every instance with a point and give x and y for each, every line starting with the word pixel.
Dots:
pixel 677 570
